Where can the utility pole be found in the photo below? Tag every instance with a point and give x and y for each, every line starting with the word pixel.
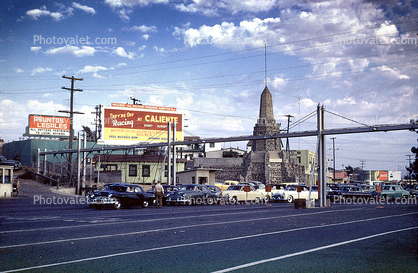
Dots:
pixel 71 112
pixel 135 100
pixel 287 139
pixel 410 175
pixel 333 155
pixel 362 164
pixel 98 121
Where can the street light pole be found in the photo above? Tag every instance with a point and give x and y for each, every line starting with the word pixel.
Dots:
pixel 333 155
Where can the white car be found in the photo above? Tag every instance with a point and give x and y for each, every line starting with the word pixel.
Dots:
pixel 291 193
pixel 237 194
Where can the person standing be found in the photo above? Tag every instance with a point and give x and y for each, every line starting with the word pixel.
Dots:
pixel 159 192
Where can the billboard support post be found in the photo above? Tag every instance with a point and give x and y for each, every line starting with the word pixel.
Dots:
pixel 174 154
pixel 169 153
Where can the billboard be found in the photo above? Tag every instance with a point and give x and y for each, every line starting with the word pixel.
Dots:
pixel 125 124
pixel 48 126
pixel 379 176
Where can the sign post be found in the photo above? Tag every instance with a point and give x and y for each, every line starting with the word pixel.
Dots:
pixel 247 190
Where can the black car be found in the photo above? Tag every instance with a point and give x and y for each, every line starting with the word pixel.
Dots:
pixel 218 192
pixel 168 189
pixel 119 195
pixel 349 192
pixel 413 191
pixel 192 194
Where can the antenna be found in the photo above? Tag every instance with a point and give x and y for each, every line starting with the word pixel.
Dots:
pixel 265 65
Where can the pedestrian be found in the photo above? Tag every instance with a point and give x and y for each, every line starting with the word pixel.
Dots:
pixel 17 187
pixel 159 192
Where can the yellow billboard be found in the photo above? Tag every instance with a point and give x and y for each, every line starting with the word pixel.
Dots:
pixel 125 124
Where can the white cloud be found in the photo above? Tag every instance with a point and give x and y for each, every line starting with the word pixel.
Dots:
pixel 40 70
pixel 122 53
pixel 84 8
pixel 72 50
pixel 215 7
pixel 92 69
pixel 35 14
pixel 142 28
pixel 125 7
pixel 18 70
pixel 35 48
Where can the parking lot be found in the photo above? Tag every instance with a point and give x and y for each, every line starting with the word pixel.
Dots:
pixel 66 235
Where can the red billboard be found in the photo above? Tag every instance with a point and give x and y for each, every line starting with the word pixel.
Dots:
pixel 129 123
pixel 48 126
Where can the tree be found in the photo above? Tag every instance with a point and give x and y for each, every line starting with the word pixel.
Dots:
pixel 413 167
pixel 91 136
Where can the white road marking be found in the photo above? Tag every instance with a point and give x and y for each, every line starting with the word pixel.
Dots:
pixel 311 250
pixel 167 229
pixel 163 219
pixel 234 239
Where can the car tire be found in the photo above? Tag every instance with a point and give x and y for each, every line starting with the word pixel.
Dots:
pixel 257 200
pixel 404 196
pixel 210 201
pixel 189 202
pixel 289 199
pixel 233 200
pixel 117 204
pixel 145 204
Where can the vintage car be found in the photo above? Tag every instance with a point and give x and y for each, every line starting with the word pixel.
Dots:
pixel 225 185
pixel 192 194
pixel 220 197
pixel 168 189
pixel 413 191
pixel 349 192
pixel 260 187
pixel 118 195
pixel 291 193
pixel 392 192
pixel 237 193
pixel 368 188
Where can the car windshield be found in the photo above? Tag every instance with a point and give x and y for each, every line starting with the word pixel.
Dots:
pixel 291 188
pixel 188 187
pixel 118 188
pixel 234 188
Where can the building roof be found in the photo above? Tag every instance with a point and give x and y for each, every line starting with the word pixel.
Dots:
pixel 133 158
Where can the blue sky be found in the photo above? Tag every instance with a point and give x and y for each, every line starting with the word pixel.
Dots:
pixel 358 58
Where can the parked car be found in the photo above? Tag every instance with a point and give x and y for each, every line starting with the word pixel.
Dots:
pixel 15 163
pixel 349 192
pixel 368 188
pixel 192 194
pixel 392 192
pixel 220 197
pixel 168 189
pixel 237 194
pixel 413 191
pixel 225 185
pixel 291 193
pixel 118 195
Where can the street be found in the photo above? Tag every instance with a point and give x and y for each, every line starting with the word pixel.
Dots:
pixel 63 234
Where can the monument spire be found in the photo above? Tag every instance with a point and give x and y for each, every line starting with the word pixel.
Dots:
pixel 266 105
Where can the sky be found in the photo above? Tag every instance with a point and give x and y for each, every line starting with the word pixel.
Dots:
pixel 211 60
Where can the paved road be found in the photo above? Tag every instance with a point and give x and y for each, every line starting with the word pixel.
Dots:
pixel 66 235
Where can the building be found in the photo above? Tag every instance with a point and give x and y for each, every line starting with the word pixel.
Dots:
pixel 145 169
pixel 6 181
pixel 197 176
